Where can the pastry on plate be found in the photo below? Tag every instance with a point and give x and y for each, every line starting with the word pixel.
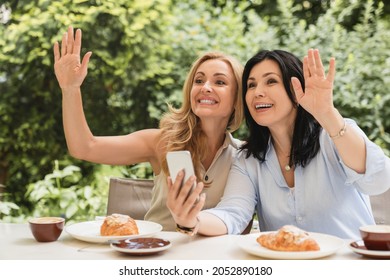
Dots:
pixel 288 238
pixel 117 225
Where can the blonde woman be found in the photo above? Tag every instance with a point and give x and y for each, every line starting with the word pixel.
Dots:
pixel 212 109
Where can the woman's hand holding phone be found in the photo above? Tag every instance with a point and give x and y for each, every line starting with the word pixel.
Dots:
pixel 184 201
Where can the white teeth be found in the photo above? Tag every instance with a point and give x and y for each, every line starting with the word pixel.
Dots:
pixel 259 106
pixel 207 101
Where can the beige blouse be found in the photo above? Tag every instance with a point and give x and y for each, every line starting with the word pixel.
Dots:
pixel 217 173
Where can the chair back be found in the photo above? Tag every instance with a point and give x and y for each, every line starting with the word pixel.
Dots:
pixel 380 205
pixel 129 197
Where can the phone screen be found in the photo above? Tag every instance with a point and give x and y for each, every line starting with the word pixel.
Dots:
pixel 180 160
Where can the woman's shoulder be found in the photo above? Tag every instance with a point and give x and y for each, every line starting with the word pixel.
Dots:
pixel 243 159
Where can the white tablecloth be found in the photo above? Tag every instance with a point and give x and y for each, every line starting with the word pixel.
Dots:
pixel 17 243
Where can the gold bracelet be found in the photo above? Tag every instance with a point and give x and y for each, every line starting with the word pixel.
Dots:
pixel 191 231
pixel 341 132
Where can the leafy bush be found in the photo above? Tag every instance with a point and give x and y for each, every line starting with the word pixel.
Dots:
pixel 125 66
pixel 59 194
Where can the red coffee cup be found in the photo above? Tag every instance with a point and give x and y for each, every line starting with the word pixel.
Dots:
pixel 376 237
pixel 46 229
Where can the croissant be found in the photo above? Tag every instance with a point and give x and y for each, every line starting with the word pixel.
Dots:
pixel 117 225
pixel 288 238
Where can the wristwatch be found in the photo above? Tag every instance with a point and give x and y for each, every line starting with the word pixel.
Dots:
pixel 191 231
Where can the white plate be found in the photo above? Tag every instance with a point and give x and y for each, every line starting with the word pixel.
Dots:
pixel 328 245
pixel 90 231
pixel 141 245
pixel 359 248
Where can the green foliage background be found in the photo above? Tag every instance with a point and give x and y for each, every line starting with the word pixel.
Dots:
pixel 142 50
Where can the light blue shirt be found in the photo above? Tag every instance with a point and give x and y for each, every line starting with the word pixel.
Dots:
pixel 328 197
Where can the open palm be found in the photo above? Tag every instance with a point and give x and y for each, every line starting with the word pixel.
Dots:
pixel 68 69
pixel 317 97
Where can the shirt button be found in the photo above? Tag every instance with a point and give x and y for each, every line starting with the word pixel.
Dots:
pixel 206 178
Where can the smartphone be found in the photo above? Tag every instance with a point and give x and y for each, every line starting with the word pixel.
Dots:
pixel 180 160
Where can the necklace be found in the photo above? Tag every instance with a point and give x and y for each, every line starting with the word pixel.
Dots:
pixel 287 167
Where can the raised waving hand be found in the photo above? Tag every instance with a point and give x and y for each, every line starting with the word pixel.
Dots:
pixel 317 97
pixel 68 69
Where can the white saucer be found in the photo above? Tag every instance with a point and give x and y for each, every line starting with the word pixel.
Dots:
pixel 359 248
pixel 140 246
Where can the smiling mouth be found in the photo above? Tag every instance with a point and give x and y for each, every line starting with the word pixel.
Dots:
pixel 263 106
pixel 207 101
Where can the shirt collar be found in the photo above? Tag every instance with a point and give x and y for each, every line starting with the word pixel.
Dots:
pixel 230 140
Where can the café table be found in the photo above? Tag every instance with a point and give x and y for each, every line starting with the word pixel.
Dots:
pixel 17 243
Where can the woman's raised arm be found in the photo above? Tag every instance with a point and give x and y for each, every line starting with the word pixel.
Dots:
pixel 133 148
pixel 317 99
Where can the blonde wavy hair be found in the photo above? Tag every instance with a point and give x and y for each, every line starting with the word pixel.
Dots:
pixel 180 128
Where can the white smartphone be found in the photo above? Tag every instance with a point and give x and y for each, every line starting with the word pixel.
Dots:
pixel 180 160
